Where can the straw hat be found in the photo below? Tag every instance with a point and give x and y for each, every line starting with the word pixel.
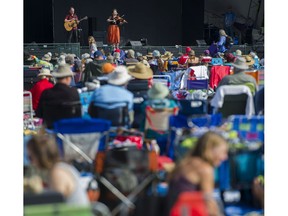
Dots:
pixel 249 60
pixel 146 63
pixel 140 71
pixel 120 76
pixel 44 72
pixel 240 63
pixel 46 57
pixel 158 91
pixel 167 55
pixel 149 55
pixel 107 68
pixel 63 71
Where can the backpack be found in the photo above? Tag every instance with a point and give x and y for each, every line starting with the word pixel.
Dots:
pixel 229 42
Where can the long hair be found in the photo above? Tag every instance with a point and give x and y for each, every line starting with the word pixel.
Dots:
pixel 45 150
pixel 222 33
pixel 207 141
pixel 91 40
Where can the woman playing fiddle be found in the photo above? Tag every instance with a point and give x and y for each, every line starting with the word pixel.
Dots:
pixel 114 21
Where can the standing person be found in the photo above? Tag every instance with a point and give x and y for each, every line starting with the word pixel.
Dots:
pixel 114 21
pixel 72 36
pixel 222 41
pixel 92 46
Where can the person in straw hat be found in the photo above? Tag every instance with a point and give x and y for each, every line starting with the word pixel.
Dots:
pixel 114 94
pixel 40 86
pixel 167 58
pixel 143 77
pixel 239 77
pixel 60 93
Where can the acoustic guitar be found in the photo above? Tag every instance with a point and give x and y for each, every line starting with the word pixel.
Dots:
pixel 69 25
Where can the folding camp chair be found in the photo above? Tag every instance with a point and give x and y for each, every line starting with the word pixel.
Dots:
pixel 157 124
pixel 165 79
pixel 233 100
pixel 27 109
pixel 192 107
pixel 118 116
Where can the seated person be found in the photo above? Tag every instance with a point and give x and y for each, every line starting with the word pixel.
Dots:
pixel 239 77
pixel 40 86
pixel 130 60
pixel 50 106
pixel 156 63
pixel 192 59
pixel 195 172
pixel 183 59
pixel 93 68
pixel 143 78
pixel 60 176
pixel 114 94
pixel 206 58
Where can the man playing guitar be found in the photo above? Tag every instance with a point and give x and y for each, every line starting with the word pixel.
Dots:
pixel 72 36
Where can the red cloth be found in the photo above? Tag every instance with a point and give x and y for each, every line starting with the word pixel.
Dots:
pixel 183 59
pixel 37 90
pixel 192 202
pixel 217 73
pixel 163 160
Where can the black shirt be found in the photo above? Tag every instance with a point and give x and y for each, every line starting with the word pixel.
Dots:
pixel 56 103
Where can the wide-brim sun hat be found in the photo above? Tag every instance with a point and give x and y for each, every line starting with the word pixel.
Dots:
pixel 140 71
pixel 158 91
pixel 120 76
pixel 240 63
pixel 44 72
pixel 249 60
pixel 62 71
pixel 167 55
pixel 46 57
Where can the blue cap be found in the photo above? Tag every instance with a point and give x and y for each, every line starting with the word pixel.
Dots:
pixel 97 54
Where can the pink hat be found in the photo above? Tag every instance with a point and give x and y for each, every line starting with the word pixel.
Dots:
pixel 117 50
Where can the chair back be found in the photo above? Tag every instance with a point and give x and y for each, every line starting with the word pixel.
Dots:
pixel 192 107
pixel 138 87
pixel 118 116
pixel 233 100
pixel 165 79
pixel 65 110
pixel 27 103
pixel 88 135
pixel 197 84
pixel 233 104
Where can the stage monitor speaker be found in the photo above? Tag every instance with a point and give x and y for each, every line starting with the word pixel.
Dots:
pixel 134 43
pixel 99 43
pixel 201 43
pixel 99 36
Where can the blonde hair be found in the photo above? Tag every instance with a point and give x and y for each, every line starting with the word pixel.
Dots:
pixel 91 40
pixel 222 32
pixel 206 142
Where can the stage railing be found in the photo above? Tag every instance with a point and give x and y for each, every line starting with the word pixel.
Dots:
pixel 75 48
pixel 41 49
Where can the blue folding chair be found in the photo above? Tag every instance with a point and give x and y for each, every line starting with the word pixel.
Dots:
pixel 80 138
pixel 192 107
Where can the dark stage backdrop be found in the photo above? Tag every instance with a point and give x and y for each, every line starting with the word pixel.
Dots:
pixel 161 22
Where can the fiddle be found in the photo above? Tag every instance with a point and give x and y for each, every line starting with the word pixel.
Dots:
pixel 120 19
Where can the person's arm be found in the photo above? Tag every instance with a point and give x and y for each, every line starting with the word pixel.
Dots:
pixel 66 19
pixel 207 187
pixel 110 20
pixel 221 41
pixel 61 182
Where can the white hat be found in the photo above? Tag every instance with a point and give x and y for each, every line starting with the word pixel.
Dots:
pixel 44 72
pixel 50 54
pixel 46 57
pixel 156 53
pixel 63 71
pixel 120 76
pixel 240 63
